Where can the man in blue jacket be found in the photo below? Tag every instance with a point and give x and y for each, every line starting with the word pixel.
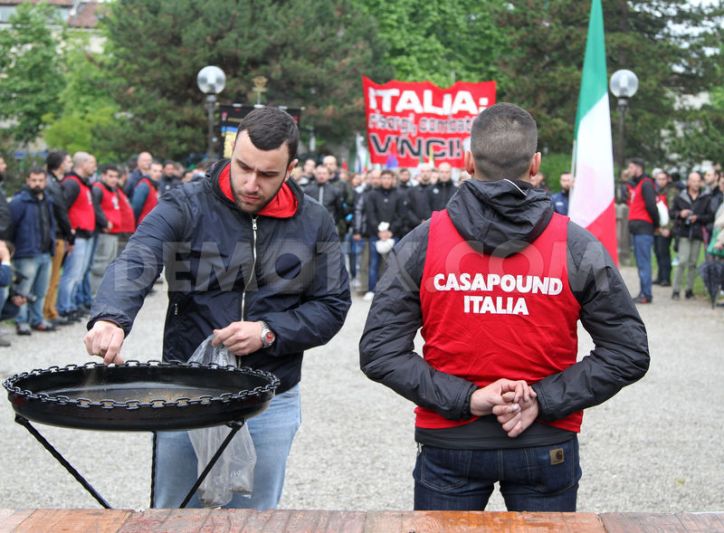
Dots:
pixel 33 234
pixel 248 260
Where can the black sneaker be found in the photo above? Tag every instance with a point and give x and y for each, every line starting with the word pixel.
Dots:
pixel 70 316
pixel 43 326
pixel 689 295
pixel 641 299
pixel 61 321
pixel 675 295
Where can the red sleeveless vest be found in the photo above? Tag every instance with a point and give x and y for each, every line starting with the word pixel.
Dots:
pixel 111 207
pixel 81 213
pixel 128 219
pixel 637 206
pixel 151 199
pixel 487 317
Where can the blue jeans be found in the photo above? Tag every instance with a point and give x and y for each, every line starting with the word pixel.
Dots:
pixel 643 245
pixel 272 432
pixel 72 276
pixel 354 250
pixel 374 265
pixel 37 276
pixel 543 478
pixel 83 294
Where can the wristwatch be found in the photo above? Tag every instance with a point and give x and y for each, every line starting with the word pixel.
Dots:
pixel 267 336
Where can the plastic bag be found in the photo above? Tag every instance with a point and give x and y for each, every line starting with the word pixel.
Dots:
pixel 234 471
pixel 663 213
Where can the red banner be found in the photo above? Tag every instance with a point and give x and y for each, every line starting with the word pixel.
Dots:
pixel 413 122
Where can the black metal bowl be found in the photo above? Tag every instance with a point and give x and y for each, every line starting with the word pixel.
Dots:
pixel 140 396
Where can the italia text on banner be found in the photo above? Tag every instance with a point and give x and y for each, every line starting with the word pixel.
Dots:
pixel 409 122
pixel 592 200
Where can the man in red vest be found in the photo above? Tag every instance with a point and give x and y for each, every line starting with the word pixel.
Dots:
pixel 498 282
pixel 145 195
pixel 643 220
pixel 81 213
pixel 106 195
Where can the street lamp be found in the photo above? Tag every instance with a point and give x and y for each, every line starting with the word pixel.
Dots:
pixel 623 85
pixel 211 81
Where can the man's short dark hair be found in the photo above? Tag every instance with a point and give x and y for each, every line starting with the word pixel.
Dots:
pixel 55 160
pixel 387 172
pixel 503 140
pixel 35 169
pixel 108 167
pixel 269 128
pixel 638 162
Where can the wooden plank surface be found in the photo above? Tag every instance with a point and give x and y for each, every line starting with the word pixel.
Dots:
pixel 10 518
pixel 702 522
pixel 290 521
pixel 145 521
pixel 74 521
pixel 439 521
pixel 642 523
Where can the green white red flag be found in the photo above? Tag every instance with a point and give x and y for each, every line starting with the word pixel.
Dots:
pixel 592 199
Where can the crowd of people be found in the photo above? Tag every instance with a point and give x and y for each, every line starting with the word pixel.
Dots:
pixel 72 218
pixel 673 219
pixel 64 227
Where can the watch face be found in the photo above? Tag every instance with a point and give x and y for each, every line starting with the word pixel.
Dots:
pixel 269 337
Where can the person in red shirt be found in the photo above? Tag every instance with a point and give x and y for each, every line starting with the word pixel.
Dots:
pixel 81 213
pixel 106 195
pixel 498 282
pixel 145 194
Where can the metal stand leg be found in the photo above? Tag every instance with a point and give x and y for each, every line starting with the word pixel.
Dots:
pixel 235 426
pixel 87 486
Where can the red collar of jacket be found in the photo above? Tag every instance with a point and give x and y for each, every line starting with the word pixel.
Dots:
pixel 283 205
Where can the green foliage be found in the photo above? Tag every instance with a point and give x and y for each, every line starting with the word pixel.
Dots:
pixel 649 37
pixel 87 106
pixel 553 165
pixel 440 41
pixel 700 134
pixel 313 53
pixel 30 69
pixel 76 131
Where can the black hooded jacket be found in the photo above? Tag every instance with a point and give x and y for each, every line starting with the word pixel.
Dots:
pixel 502 218
pixel 223 266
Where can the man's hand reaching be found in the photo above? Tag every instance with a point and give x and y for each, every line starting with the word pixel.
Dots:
pixel 105 340
pixel 241 338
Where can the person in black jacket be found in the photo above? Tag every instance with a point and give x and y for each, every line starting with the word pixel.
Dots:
pixel 441 192
pixel 419 198
pixel 691 213
pixel 326 193
pixel 498 282
pixel 58 164
pixel 33 236
pixel 382 205
pixel 250 262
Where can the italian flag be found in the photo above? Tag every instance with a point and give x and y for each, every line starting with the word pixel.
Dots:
pixel 592 199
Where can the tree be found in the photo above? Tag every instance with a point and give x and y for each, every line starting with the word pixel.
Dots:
pixel 86 106
pixel 313 53
pixel 440 41
pixel 665 42
pixel 30 69
pixel 700 134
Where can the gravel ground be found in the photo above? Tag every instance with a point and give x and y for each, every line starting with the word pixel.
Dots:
pixel 655 447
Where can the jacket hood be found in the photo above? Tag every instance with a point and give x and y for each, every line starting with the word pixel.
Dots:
pixel 501 217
